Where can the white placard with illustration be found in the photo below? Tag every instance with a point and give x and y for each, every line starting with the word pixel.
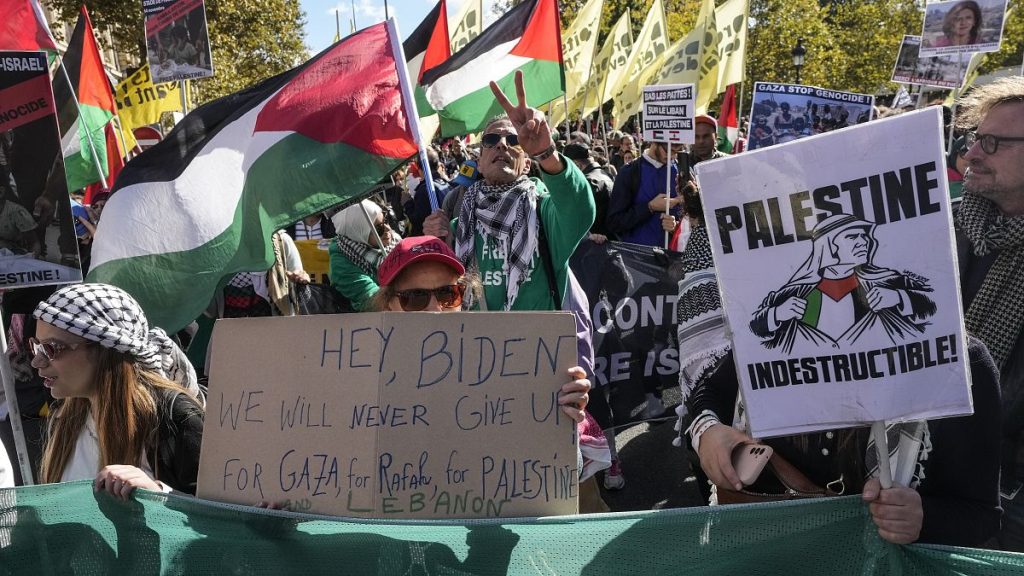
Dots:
pixel 840 314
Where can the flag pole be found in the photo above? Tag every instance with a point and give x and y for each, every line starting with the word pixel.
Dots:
pixel 952 116
pixel 337 25
pixel 182 88
pixel 668 186
pixel 120 136
pixel 411 112
pixel 14 412
pixel 353 2
pixel 92 146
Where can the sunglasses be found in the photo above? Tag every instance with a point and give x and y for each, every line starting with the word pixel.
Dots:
pixel 51 349
pixel 491 140
pixel 419 298
pixel 382 228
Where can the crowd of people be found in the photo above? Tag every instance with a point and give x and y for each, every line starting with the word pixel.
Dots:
pixel 127 405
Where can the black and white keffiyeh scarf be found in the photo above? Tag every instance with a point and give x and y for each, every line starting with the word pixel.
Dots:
pixel 365 256
pixel 996 316
pixel 507 213
pixel 110 317
pixel 701 332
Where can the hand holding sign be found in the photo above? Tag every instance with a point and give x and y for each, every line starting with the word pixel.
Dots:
pixel 530 123
pixel 897 511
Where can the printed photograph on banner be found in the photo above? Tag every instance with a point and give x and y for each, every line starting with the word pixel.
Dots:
pixel 962 26
pixel 41 225
pixel 852 319
pixel 668 113
pixel 783 113
pixel 177 40
pixel 944 71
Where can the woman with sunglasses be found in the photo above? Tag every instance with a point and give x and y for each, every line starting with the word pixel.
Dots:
pixel 128 412
pixel 358 250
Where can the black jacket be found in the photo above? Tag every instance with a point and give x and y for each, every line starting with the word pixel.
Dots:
pixel 174 452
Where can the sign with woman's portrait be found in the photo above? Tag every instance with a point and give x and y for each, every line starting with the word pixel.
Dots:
pixel 959 26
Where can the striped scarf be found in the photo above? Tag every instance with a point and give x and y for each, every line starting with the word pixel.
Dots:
pixel 507 213
pixel 366 257
pixel 996 316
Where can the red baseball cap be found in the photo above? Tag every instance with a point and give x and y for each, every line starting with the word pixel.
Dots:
pixel 416 249
pixel 706 119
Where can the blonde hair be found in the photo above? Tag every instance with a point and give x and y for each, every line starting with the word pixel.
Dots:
pixel 982 99
pixel 126 421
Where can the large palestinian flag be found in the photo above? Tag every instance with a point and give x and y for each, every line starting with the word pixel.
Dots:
pixel 82 126
pixel 202 204
pixel 526 38
pixel 23 26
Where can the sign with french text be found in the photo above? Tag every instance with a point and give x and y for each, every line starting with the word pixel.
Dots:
pixel 944 71
pixel 668 113
pixel 840 316
pixel 393 415
pixel 962 27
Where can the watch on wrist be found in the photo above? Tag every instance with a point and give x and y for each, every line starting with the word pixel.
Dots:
pixel 547 153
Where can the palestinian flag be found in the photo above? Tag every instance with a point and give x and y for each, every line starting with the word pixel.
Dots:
pixel 728 128
pixel 424 49
pixel 23 26
pixel 526 38
pixel 82 126
pixel 202 204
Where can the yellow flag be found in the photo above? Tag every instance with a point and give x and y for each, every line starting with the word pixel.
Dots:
pixel 643 63
pixel 731 19
pixel 140 102
pixel 609 63
pixel 681 63
pixel 970 75
pixel 707 86
pixel 578 45
pixel 469 24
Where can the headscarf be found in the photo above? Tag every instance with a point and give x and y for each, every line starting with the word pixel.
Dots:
pixel 354 229
pixel 823 250
pixel 110 317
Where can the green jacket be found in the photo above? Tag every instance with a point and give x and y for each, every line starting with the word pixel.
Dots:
pixel 567 212
pixel 351 280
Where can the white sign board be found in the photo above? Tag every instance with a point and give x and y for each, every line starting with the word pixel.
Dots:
pixel 944 71
pixel 838 275
pixel 960 26
pixel 668 113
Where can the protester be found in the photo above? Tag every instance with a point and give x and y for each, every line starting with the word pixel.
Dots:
pixel 622 146
pixel 600 185
pixel 255 294
pixel 961 25
pixel 419 207
pixel 17 227
pixel 945 488
pixel 990 250
pixel 128 411
pixel 313 227
pixel 358 250
pixel 638 198
pixel 503 216
pixel 466 176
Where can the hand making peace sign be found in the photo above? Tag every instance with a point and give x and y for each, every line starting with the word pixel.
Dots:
pixel 530 123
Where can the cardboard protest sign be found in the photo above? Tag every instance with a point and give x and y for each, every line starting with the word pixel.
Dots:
pixel 668 113
pixel 400 415
pixel 785 112
pixel 32 185
pixel 944 71
pixel 177 40
pixel 838 275
pixel 959 26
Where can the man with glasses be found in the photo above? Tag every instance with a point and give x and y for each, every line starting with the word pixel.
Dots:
pixel 990 246
pixel 509 224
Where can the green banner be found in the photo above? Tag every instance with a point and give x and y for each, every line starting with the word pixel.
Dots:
pixel 67 529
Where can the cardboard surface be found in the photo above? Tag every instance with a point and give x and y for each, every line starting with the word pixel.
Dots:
pixel 393 415
pixel 838 275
